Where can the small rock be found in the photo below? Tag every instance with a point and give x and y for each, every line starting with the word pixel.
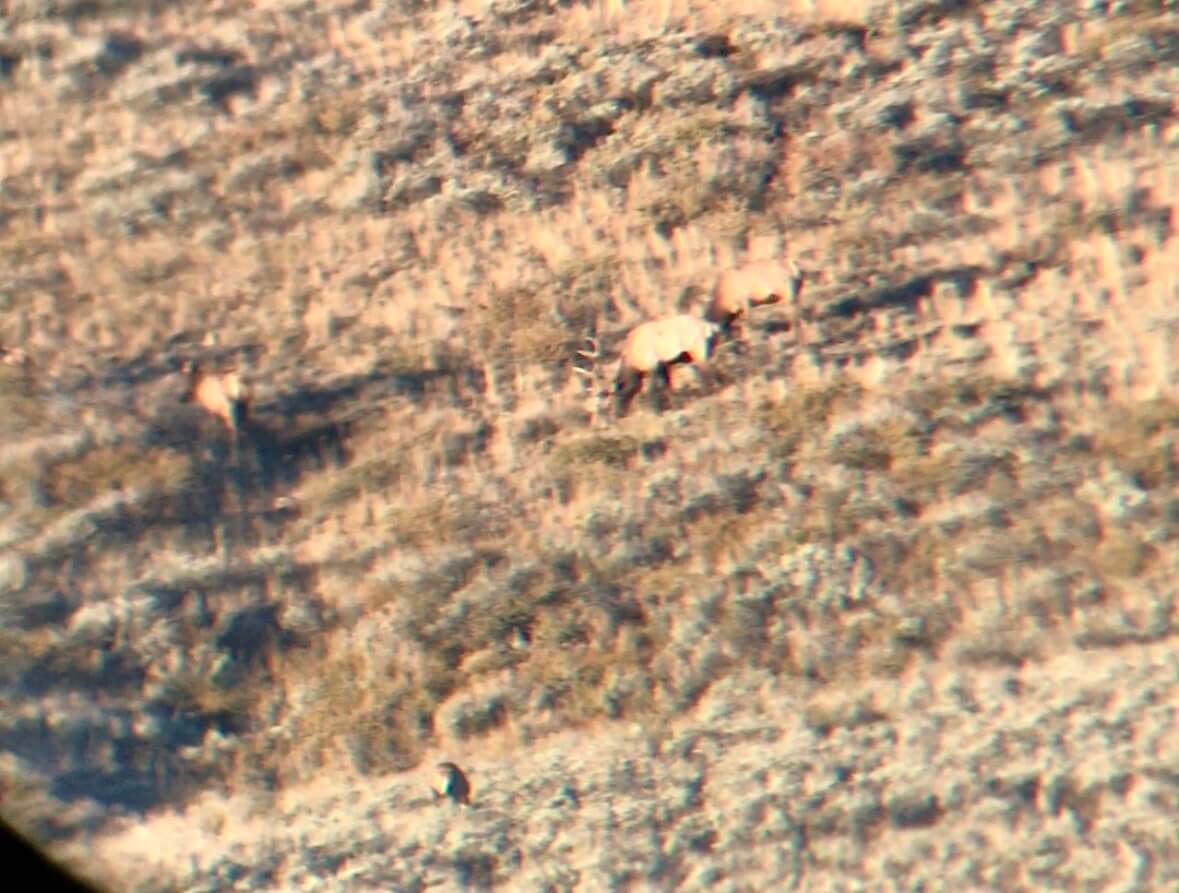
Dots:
pixel 913 810
pixel 450 781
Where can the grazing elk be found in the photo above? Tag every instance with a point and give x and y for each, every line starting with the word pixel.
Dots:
pixel 221 394
pixel 757 284
pixel 653 347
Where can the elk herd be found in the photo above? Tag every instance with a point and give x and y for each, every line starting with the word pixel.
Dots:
pixel 652 348
pixel 647 355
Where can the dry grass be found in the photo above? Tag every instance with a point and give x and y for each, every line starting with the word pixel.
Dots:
pixel 403 223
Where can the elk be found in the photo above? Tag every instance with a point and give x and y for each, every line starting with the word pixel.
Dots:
pixel 450 781
pixel 653 347
pixel 757 284
pixel 221 394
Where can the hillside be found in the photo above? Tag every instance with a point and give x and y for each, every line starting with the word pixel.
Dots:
pixel 894 606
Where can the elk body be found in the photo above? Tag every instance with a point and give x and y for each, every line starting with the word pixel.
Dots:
pixel 758 284
pixel 221 394
pixel 653 347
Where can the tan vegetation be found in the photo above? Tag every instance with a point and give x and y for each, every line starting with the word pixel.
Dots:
pixel 403 220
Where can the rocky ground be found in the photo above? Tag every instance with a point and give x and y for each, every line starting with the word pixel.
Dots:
pixel 892 608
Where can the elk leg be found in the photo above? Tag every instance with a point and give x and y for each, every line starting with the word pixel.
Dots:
pixel 626 388
pixel 661 387
pixel 796 284
pixel 709 375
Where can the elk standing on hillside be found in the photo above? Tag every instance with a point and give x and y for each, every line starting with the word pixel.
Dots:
pixel 653 347
pixel 757 284
pixel 221 394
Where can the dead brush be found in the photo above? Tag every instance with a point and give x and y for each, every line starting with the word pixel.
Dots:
pixel 18 377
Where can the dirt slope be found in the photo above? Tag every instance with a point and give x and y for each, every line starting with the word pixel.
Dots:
pixel 906 579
